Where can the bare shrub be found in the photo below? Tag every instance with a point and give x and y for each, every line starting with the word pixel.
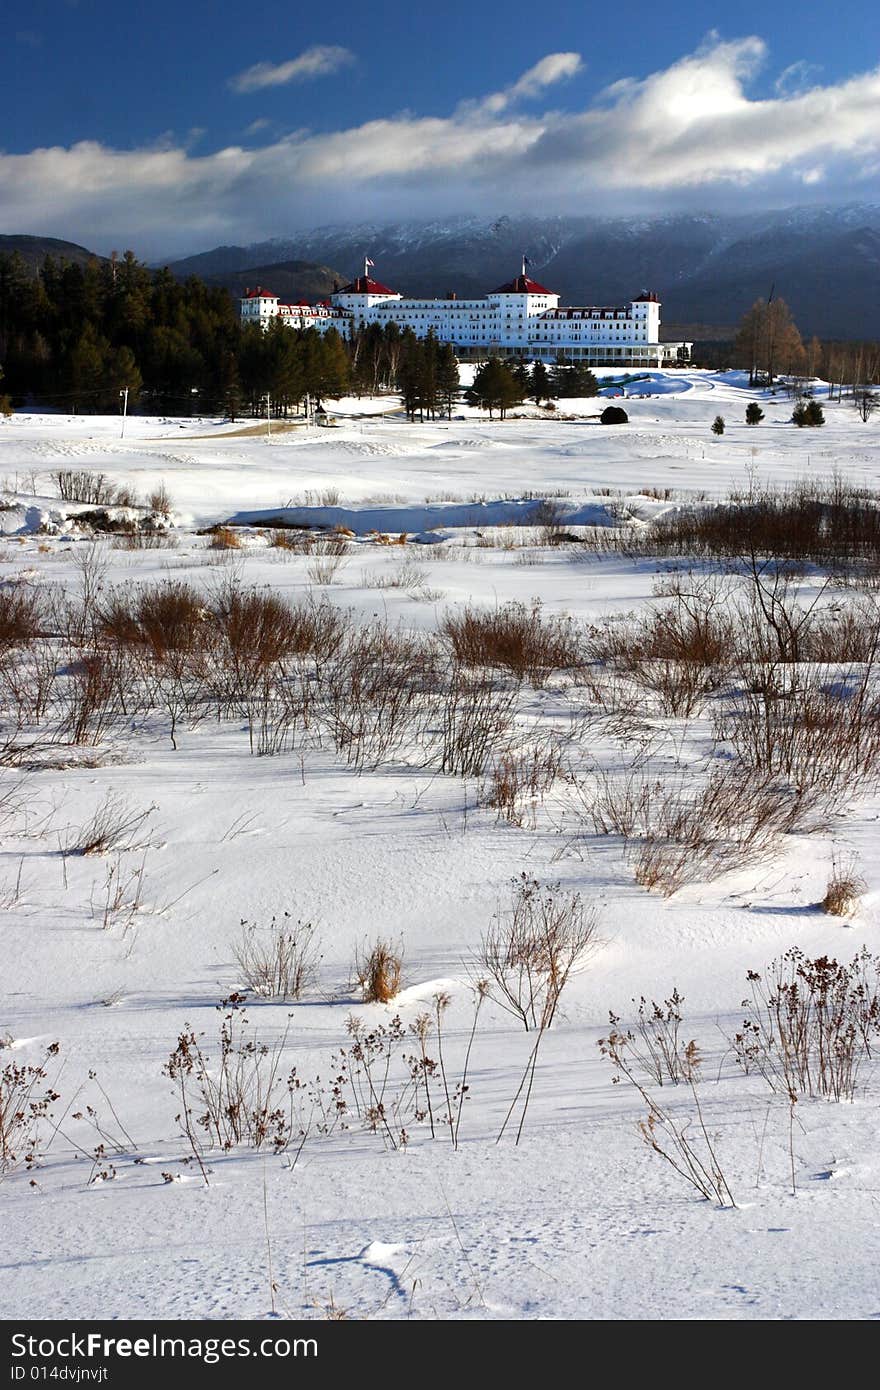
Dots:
pixel 122 896
pixel 242 1099
pixel 144 539
pixel 515 638
pixel 656 1045
pixel 114 826
pixel 378 970
pixel 519 780
pixel 811 1024
pixel 94 694
pixel 28 690
pixel 92 562
pixel 375 692
pixel 278 962
pixel 844 889
pixel 257 628
pixel 78 485
pixel 831 522
pixel 475 720
pixel 160 502
pixel 525 962
pixel 682 651
pixel 814 733
pixel 26 1099
pixel 844 636
pixel 695 828
pixel 324 570
pixel 531 949
pixel 681 1139
pixel 21 616
pixel 164 617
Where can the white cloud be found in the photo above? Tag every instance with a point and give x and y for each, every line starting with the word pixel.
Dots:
pixel 320 61
pixel 687 135
pixel 556 67
pixel 797 77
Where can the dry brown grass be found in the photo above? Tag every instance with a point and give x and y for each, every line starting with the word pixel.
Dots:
pixel 514 637
pixel 845 888
pixel 224 538
pixel 519 780
pixel 378 972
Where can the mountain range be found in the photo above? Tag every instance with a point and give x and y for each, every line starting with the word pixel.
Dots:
pixel 708 269
pixel 825 262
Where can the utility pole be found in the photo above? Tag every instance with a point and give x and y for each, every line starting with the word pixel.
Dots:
pixel 124 394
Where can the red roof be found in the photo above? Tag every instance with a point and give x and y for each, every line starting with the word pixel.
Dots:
pixel 522 285
pixel 259 293
pixel 646 296
pixel 364 285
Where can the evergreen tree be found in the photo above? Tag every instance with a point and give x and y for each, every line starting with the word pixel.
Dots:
pixel 560 377
pixel 448 379
pixel 583 383
pixel 121 373
pixel 334 375
pixel 539 386
pixel 408 373
pixel 495 388
pixel 428 392
pixel 230 387
pixel 718 424
pixel 754 413
pixel 809 414
pixel 82 376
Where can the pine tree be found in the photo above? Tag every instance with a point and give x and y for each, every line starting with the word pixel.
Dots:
pixel 495 388
pixel 561 378
pixel 121 373
pixel 448 378
pixel 82 377
pixel 230 387
pixel 335 376
pixel 584 383
pixel 408 372
pixel 539 386
pixel 754 413
pixel 718 424
pixel 428 393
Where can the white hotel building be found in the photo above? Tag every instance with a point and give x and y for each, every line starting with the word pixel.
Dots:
pixel 519 319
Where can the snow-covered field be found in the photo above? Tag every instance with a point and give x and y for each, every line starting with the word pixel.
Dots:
pixel 579 1219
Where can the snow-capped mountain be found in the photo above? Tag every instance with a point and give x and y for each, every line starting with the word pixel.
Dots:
pixel 708 268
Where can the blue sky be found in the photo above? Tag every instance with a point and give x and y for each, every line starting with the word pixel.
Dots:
pixel 173 126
